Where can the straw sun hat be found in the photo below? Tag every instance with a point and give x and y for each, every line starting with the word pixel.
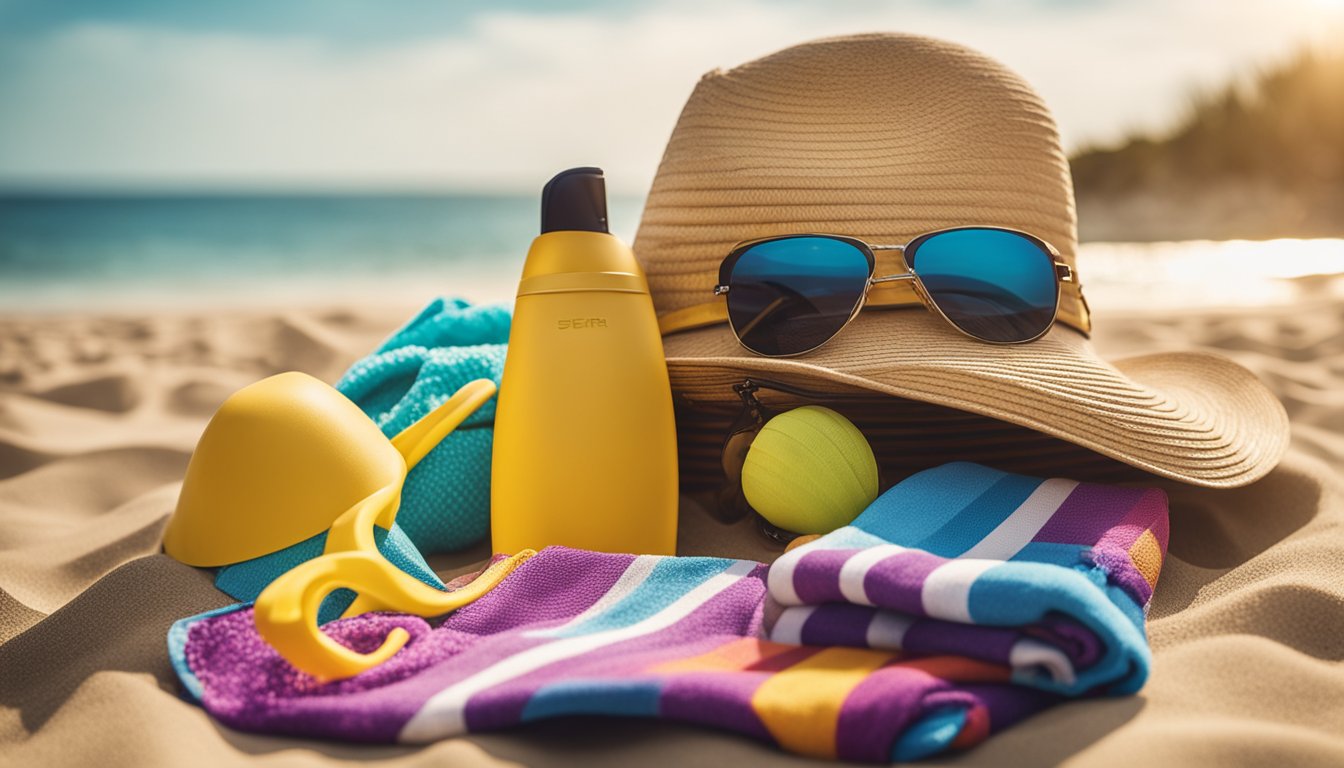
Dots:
pixel 884 137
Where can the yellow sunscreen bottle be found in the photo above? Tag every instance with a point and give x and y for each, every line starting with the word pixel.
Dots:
pixel 585 451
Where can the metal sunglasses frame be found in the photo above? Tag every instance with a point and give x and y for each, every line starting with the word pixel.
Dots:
pixel 1062 273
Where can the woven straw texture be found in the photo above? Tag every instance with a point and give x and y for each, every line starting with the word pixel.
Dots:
pixel 885 137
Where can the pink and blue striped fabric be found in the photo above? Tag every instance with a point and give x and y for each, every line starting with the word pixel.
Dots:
pixel 963 601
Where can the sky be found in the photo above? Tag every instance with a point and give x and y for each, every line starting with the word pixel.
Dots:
pixel 409 95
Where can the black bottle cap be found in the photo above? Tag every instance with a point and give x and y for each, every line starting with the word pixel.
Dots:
pixel 575 200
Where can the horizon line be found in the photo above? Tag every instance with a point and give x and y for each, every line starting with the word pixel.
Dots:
pixel 103 189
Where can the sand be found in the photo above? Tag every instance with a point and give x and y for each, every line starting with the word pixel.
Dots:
pixel 98 416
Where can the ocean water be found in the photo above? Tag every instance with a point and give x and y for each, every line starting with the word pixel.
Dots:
pixel 64 253
pixel 61 253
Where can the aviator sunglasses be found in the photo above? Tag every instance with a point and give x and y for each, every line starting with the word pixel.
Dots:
pixel 788 295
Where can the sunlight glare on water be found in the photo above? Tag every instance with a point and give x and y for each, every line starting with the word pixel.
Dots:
pixel 1208 273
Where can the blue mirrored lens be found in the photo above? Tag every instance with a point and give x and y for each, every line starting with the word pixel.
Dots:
pixel 994 285
pixel 791 295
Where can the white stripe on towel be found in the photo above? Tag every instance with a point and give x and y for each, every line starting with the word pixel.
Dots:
pixel 789 626
pixel 779 579
pixel 1018 529
pixel 1027 653
pixel 855 571
pixel 635 573
pixel 444 715
pixel 947 589
pixel 887 630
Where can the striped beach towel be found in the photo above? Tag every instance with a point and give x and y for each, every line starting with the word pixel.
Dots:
pixel 1051 578
pixel 689 639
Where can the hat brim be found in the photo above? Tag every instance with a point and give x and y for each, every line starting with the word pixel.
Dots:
pixel 1194 417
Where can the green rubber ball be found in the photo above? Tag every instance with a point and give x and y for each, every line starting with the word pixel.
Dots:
pixel 810 470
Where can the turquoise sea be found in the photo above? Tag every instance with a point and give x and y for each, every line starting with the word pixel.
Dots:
pixel 64 253
pixel 61 252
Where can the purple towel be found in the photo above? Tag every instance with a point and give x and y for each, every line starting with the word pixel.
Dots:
pixel 678 638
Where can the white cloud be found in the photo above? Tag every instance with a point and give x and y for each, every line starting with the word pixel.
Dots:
pixel 514 97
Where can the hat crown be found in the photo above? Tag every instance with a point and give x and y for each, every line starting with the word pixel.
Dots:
pixel 881 137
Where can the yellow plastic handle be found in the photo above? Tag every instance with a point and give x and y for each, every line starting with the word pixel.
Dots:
pixel 286 611
pixel 417 440
pixel 349 533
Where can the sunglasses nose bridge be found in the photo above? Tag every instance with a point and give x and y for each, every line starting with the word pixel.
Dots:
pixel 924 295
pixel 909 276
pixel 896 258
pixel 902 260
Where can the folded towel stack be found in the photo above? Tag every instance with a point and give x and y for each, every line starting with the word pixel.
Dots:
pixel 1049 577
pixel 1025 592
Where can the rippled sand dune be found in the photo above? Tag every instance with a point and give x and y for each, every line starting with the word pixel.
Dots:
pixel 98 416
